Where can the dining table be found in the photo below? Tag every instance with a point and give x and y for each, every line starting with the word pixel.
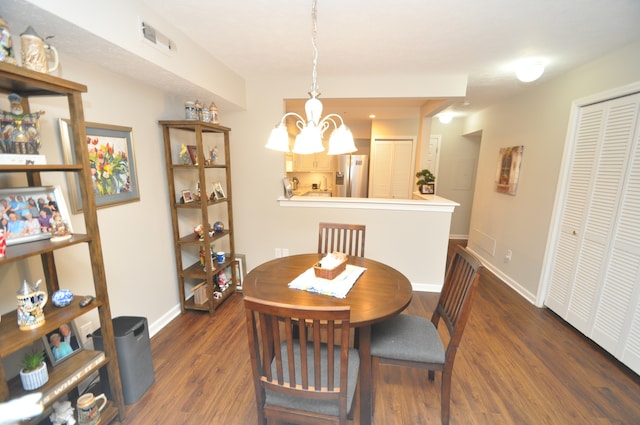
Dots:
pixel 379 293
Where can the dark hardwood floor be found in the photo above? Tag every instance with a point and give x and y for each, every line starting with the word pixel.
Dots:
pixel 517 364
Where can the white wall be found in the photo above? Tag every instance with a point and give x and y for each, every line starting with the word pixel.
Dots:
pixel 457 171
pixel 538 120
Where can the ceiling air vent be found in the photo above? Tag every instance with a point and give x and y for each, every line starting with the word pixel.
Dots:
pixel 156 38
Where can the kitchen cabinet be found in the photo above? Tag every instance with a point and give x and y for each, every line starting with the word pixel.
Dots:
pixel 198 273
pixel 317 162
pixel 64 378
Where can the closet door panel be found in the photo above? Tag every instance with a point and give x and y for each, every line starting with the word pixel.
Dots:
pixel 602 210
pixel 579 182
pixel 615 321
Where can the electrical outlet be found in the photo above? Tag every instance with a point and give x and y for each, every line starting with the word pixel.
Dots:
pixel 285 252
pixel 507 257
pixel 278 252
pixel 85 330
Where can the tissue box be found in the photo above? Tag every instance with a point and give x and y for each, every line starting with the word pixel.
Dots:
pixel 330 273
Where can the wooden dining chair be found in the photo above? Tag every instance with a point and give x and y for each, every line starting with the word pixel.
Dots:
pixel 346 238
pixel 296 380
pixel 414 341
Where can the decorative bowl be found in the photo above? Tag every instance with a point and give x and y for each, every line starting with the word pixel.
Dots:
pixel 62 298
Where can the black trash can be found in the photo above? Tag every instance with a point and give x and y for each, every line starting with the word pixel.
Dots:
pixel 134 357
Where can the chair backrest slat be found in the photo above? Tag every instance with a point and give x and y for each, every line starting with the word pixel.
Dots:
pixel 346 238
pixel 302 368
pixel 455 300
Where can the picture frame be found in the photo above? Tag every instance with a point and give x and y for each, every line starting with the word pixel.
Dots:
pixel 288 188
pixel 23 200
pixel 508 169
pixel 187 197
pixel 218 190
pixel 66 348
pixel 428 189
pixel 239 262
pixel 193 153
pixel 107 144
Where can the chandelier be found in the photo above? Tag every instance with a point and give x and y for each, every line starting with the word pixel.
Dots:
pixel 309 140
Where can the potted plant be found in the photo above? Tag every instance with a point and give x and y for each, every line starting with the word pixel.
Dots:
pixel 426 181
pixel 34 372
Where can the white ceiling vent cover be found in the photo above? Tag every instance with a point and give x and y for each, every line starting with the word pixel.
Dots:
pixel 156 38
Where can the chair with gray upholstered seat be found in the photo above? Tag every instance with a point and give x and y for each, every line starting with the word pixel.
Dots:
pixel 296 380
pixel 414 341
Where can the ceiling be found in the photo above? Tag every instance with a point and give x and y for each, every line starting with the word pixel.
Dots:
pixel 482 39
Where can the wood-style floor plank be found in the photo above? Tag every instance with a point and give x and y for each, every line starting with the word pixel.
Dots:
pixel 517 364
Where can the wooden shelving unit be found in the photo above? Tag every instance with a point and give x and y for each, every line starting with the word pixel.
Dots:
pixel 64 378
pixel 185 216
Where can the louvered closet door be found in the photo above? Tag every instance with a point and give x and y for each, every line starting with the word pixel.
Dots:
pixel 592 279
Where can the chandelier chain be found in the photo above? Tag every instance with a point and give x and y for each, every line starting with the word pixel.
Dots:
pixel 314 37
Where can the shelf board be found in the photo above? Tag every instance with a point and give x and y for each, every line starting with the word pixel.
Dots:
pixel 16 79
pixel 189 304
pixel 66 375
pixel 195 167
pixel 40 168
pixel 192 239
pixel 29 249
pixel 198 205
pixel 13 339
pixel 191 125
pixel 195 271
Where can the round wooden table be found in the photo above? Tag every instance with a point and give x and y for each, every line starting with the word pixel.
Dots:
pixel 381 292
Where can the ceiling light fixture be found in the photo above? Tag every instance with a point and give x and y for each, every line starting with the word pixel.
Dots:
pixel 530 70
pixel 445 117
pixel 309 140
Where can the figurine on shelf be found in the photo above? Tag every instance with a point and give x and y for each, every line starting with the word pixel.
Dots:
pixel 6 44
pixel 185 159
pixel 213 154
pixel 62 413
pixel 59 229
pixel 20 131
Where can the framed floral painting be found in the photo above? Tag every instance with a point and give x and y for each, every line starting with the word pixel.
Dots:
pixel 112 163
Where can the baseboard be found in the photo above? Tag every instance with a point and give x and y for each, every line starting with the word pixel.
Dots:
pixel 506 279
pixel 426 287
pixel 164 320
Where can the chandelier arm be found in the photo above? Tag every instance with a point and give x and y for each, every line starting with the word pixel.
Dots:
pixel 336 116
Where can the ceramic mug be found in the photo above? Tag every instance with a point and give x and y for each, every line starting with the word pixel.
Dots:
pixel 220 257
pixel 88 410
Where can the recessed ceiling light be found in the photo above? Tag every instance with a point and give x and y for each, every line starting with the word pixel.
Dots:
pixel 372 116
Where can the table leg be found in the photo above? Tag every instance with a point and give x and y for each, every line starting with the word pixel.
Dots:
pixel 366 384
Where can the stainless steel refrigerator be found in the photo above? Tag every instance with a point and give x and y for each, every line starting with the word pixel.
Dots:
pixel 352 177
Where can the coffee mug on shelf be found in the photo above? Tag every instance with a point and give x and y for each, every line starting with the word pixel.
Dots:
pixel 220 257
pixel 88 410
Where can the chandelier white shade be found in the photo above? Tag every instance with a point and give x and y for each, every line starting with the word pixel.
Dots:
pixel 312 130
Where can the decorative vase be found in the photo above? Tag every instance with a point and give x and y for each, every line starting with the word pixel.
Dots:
pixel 34 378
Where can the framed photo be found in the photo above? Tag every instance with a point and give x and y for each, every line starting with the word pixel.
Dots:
pixel 508 169
pixel 187 196
pixel 29 213
pixel 112 161
pixel 193 154
pixel 239 262
pixel 288 188
pixel 62 343
pixel 428 189
pixel 218 191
